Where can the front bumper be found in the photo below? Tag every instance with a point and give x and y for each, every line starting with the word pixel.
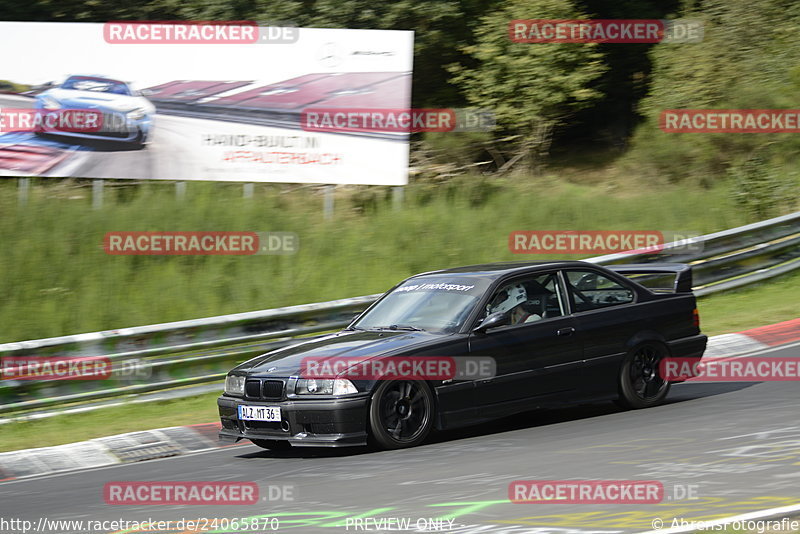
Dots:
pixel 116 127
pixel 338 422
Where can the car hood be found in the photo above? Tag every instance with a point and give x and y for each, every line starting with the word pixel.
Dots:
pixel 356 344
pixel 95 99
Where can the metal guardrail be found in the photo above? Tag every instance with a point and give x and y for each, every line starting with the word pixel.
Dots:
pixel 200 351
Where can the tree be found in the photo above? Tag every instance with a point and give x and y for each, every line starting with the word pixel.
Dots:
pixel 531 88
pixel 748 60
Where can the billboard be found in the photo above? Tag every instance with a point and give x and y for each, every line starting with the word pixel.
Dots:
pixel 199 101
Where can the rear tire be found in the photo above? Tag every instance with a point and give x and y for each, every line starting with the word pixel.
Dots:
pixel 401 414
pixel 640 381
pixel 272 444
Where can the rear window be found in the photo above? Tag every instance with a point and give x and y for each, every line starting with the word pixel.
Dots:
pixel 655 282
pixel 590 290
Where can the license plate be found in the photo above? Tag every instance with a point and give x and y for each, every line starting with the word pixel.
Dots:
pixel 259 413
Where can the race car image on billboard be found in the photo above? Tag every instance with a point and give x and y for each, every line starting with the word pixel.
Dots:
pixel 127 114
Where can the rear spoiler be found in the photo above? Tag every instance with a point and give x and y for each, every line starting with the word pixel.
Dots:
pixel 658 277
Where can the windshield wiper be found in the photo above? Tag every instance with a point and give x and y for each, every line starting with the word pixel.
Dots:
pixel 408 328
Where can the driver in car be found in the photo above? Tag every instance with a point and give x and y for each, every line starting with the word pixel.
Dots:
pixel 511 299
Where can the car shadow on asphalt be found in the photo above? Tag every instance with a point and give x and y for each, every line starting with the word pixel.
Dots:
pixel 680 394
pixel 310 452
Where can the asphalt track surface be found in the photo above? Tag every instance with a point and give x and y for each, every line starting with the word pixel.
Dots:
pixel 733 447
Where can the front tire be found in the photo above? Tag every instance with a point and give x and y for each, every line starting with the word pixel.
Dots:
pixel 401 413
pixel 640 381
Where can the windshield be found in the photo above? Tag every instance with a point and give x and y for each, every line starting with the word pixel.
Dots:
pixel 431 304
pixel 80 83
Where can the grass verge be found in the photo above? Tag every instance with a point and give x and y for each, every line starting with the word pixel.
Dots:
pixel 57 279
pixel 69 428
pixel 751 306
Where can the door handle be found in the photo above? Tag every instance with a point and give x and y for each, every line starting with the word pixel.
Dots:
pixel 565 331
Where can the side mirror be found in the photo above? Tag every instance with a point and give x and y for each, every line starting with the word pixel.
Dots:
pixel 146 92
pixel 493 321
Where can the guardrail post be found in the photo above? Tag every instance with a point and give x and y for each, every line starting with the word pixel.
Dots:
pixel 180 190
pixel 247 190
pixel 24 185
pixel 397 197
pixel 97 194
pixel 328 210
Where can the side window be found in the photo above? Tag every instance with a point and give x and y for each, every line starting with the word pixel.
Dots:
pixel 529 299
pixel 590 290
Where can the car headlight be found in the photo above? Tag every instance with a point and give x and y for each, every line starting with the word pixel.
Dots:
pixel 234 385
pixel 317 386
pixel 48 102
pixel 136 114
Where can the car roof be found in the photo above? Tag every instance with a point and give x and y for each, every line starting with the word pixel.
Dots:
pixel 500 269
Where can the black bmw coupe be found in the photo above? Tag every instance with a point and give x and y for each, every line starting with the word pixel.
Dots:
pixel 556 332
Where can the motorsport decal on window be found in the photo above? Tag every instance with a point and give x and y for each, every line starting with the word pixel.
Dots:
pixel 438 287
